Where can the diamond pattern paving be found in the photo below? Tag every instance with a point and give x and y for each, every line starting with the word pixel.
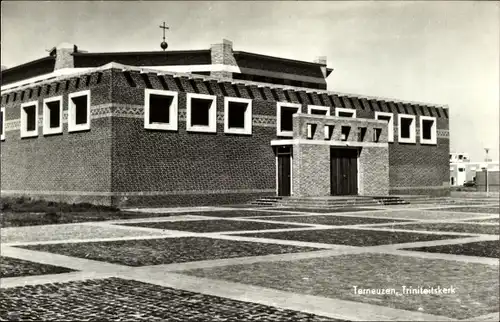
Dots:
pixel 476 285
pixel 490 248
pixel 115 299
pixel 13 267
pixel 208 226
pixel 351 237
pixel 452 227
pixel 332 220
pixel 166 251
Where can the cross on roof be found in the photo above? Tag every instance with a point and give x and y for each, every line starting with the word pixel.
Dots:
pixel 164 28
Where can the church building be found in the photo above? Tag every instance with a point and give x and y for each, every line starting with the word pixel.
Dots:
pixel 210 126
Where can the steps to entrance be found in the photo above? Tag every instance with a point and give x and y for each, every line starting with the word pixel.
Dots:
pixel 328 202
pixel 355 201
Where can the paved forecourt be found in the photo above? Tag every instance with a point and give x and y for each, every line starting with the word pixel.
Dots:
pixel 424 263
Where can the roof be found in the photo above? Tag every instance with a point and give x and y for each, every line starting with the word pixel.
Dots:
pixel 64 74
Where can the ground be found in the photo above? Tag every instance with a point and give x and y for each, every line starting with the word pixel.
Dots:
pixel 257 264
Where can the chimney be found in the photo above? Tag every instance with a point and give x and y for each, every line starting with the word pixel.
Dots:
pixel 64 55
pixel 222 54
pixel 322 60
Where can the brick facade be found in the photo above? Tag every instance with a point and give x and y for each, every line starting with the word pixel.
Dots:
pixel 120 162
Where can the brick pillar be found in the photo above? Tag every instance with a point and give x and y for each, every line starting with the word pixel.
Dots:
pixel 64 56
pixel 222 54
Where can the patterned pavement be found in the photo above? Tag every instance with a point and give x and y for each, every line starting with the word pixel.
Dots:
pixel 251 264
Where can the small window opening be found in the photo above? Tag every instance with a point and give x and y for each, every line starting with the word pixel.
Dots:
pixel 345 130
pixel 377 132
pixel 54 114
pixel 81 108
pixel 236 115
pixel 406 127
pixel 361 134
pixel 287 118
pixel 427 129
pixel 159 108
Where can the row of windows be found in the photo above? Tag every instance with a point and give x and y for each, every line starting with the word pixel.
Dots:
pixel 161 113
pixel 78 115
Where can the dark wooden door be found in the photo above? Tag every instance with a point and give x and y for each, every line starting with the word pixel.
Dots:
pixel 284 155
pixel 344 172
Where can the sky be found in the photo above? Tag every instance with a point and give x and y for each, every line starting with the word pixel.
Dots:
pixel 441 52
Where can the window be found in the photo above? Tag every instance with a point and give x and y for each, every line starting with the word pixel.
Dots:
pixel 361 134
pixel 345 130
pixel 407 128
pixel 2 123
pixel 160 110
pixel 317 110
pixel 428 130
pixel 376 134
pixel 461 169
pixel 52 115
pixel 237 115
pixel 201 113
pixel 29 119
pixel 389 117
pixel 345 112
pixel 284 116
pixel 79 111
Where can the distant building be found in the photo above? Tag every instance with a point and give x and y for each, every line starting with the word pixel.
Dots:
pixel 463 170
pixel 207 126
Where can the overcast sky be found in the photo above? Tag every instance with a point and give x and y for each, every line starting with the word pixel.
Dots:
pixel 438 52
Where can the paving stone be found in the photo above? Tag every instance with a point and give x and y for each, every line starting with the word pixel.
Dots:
pixel 115 299
pixel 483 210
pixel 351 237
pixel 489 248
pixel 13 267
pixel 208 226
pixel 477 285
pixel 166 250
pixel 326 210
pixel 332 220
pixel 451 227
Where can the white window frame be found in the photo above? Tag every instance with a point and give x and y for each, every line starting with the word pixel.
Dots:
pixel 247 128
pixel 279 105
pixel 3 124
pixel 310 108
pixel 318 107
pixel 72 126
pixel 212 114
pixel 413 129
pixel 24 132
pixel 345 110
pixel 390 124
pixel 433 139
pixel 47 130
pixel 173 110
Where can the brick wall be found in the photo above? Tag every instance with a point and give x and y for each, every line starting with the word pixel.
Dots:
pixel 373 171
pixel 311 170
pixel 68 166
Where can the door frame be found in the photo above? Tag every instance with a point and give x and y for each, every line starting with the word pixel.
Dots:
pixel 358 151
pixel 291 167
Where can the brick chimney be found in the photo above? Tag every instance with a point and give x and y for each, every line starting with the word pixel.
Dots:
pixel 222 54
pixel 64 55
pixel 322 60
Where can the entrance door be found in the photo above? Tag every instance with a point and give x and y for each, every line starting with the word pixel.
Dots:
pixel 344 171
pixel 284 156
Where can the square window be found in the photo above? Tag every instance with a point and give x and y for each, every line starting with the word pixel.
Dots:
pixel 428 131
pixel 201 113
pixel 285 112
pixel 345 112
pixel 52 115
pixel 2 123
pixel 237 115
pixel 345 130
pixel 407 130
pixel 319 110
pixel 29 119
pixel 160 110
pixel 79 111
pixel 389 118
